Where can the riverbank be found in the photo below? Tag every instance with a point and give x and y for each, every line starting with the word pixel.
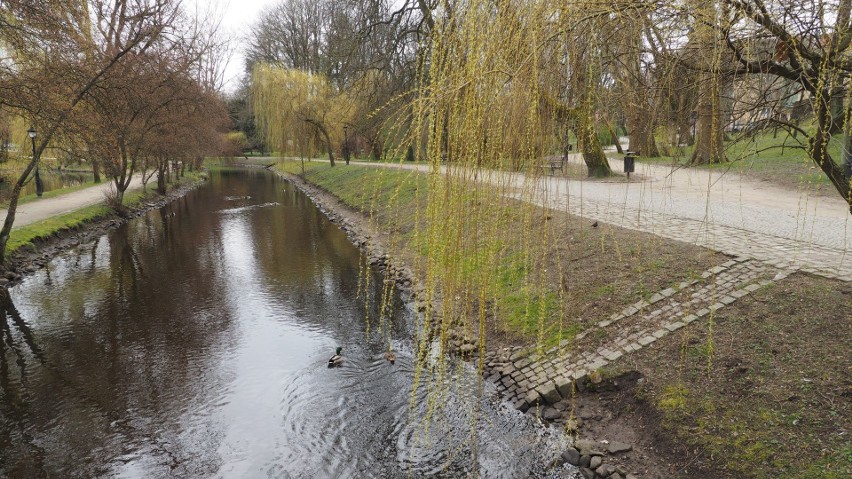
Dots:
pixel 647 400
pixel 33 245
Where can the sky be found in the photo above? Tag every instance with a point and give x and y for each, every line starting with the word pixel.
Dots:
pixel 237 17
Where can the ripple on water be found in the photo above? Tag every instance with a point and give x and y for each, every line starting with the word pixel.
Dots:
pixel 361 422
pixel 241 209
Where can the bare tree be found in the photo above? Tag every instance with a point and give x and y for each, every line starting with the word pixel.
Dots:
pixel 46 78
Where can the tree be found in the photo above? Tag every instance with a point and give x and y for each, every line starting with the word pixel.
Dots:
pixel 292 106
pixel 806 43
pixel 60 52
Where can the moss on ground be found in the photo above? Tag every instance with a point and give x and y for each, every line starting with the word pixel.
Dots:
pixel 767 394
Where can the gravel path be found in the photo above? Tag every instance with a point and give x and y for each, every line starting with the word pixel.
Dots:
pixel 42 209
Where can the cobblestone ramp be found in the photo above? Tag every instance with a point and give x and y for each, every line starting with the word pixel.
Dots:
pixel 526 379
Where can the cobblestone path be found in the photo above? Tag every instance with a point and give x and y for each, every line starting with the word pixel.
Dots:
pixel 526 379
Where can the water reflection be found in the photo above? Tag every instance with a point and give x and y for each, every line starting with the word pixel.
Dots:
pixel 192 342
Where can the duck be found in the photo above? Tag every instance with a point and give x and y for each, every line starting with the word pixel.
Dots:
pixel 390 356
pixel 337 359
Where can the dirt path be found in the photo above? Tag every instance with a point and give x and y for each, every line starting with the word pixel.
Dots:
pixel 42 209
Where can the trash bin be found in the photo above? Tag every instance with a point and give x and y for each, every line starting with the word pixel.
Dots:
pixel 630 162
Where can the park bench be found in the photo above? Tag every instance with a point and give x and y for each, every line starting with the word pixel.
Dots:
pixel 558 163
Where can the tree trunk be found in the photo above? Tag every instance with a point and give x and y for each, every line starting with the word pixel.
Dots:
pixel 642 133
pixel 710 128
pixel 13 200
pixel 376 147
pixel 615 139
pixel 161 177
pixel 588 143
pixel 96 171
pixel 822 158
pixel 319 126
pixel 709 131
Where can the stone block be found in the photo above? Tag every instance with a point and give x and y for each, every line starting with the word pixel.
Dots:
pixel 616 447
pixel 660 333
pixel 585 445
pixel 595 462
pixel 532 398
pixel 597 364
pixel 668 292
pixel 613 355
pixel 728 299
pixel 647 340
pixel 549 393
pixel 563 385
pixel 674 326
pixel 571 456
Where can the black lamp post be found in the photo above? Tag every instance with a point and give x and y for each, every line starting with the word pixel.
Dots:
pixel 39 185
pixel 346 143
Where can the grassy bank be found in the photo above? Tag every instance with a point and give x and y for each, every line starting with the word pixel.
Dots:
pixel 26 236
pixel 761 392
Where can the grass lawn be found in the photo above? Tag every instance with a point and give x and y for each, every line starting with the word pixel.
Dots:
pixel 779 159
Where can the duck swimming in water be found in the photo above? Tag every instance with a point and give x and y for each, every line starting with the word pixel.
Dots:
pixel 337 359
pixel 390 356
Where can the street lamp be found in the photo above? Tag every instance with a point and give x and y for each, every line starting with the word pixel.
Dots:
pixel 39 187
pixel 346 143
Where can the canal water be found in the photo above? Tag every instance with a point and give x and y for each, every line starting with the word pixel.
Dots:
pixel 193 341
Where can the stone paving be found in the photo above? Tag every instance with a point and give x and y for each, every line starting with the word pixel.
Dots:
pixel 526 379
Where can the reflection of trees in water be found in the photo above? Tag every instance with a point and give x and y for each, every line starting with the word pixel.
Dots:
pixel 144 318
pixel 17 343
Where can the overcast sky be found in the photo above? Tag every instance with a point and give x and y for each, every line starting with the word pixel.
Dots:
pixel 237 17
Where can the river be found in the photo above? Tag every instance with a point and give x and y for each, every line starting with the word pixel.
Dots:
pixel 193 340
